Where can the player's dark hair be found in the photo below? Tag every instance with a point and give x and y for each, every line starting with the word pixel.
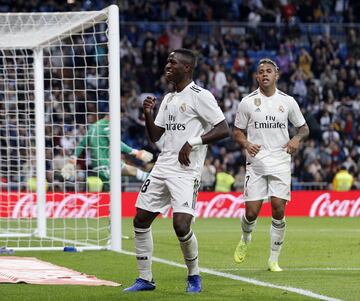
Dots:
pixel 188 55
pixel 268 61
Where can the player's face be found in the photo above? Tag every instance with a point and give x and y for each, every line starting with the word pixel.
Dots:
pixel 266 75
pixel 174 68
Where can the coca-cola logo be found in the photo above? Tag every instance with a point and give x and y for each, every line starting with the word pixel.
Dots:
pixel 72 206
pixel 324 206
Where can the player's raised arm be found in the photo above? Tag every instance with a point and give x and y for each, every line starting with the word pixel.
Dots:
pixel 154 131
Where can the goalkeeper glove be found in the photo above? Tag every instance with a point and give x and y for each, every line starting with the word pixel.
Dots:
pixel 69 169
pixel 142 155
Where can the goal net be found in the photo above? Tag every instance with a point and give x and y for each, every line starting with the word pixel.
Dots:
pixel 59 77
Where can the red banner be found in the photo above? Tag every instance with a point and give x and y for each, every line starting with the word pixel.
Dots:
pixel 209 204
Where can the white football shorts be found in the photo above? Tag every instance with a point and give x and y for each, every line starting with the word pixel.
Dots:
pixel 261 187
pixel 159 194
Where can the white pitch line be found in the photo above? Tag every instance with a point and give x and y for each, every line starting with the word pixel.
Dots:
pixel 291 269
pixel 295 290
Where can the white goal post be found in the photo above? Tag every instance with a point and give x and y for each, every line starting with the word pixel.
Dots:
pixel 59 75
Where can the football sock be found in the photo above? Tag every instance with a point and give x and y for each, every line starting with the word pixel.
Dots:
pixel 141 175
pixel 247 228
pixel 144 250
pixel 277 234
pixel 189 247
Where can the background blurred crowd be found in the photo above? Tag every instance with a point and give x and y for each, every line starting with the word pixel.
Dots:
pixel 315 43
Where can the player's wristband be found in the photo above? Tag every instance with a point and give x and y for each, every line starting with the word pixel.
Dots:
pixel 195 141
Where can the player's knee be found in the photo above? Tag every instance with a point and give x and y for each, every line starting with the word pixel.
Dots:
pixel 251 215
pixel 278 212
pixel 181 230
pixel 141 221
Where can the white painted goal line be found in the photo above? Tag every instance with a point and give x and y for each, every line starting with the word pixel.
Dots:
pixel 253 281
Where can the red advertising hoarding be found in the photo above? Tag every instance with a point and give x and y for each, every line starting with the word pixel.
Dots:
pixel 209 204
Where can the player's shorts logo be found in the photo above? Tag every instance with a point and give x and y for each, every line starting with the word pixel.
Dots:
pixel 257 102
pixel 281 109
pixel 182 108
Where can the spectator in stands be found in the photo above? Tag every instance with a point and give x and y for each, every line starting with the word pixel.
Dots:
pixel 208 176
pixel 224 180
pixel 331 134
pixel 305 62
pixel 343 180
pixel 328 77
pixel 283 60
pixel 176 36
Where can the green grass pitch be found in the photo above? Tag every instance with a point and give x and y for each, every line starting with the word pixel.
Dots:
pixel 320 255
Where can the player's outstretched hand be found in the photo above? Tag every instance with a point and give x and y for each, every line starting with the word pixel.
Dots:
pixel 68 171
pixel 149 104
pixel 184 154
pixel 144 155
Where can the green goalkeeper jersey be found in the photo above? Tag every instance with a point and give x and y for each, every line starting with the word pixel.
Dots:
pixel 97 141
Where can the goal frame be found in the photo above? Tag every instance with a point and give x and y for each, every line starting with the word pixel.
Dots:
pixel 112 13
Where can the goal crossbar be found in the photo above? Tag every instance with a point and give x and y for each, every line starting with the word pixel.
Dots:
pixel 27 31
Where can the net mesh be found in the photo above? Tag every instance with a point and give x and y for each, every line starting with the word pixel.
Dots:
pixel 76 93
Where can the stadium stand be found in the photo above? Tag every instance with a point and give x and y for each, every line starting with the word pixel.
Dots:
pixel 315 43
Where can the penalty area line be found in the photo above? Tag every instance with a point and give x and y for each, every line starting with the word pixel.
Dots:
pixel 253 281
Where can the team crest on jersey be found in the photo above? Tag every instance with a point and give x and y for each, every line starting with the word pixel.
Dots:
pixel 182 108
pixel 257 102
pixel 281 109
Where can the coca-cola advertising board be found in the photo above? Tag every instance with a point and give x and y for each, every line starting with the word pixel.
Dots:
pixel 209 205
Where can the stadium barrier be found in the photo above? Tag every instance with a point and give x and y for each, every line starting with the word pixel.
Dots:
pixel 319 203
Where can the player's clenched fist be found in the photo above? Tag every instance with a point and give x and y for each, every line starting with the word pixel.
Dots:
pixel 149 104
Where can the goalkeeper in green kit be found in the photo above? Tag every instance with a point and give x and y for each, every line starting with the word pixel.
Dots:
pixel 97 141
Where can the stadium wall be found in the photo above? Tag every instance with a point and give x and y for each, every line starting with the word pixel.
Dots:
pixel 209 205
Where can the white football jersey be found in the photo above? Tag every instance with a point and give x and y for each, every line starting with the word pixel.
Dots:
pixel 184 115
pixel 266 121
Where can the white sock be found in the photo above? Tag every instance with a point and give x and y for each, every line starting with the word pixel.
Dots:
pixel 141 175
pixel 189 247
pixel 277 234
pixel 144 250
pixel 247 228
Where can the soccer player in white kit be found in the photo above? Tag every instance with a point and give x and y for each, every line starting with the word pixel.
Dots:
pixel 261 128
pixel 188 119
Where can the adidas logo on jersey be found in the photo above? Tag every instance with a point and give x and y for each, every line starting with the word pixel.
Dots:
pixel 185 205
